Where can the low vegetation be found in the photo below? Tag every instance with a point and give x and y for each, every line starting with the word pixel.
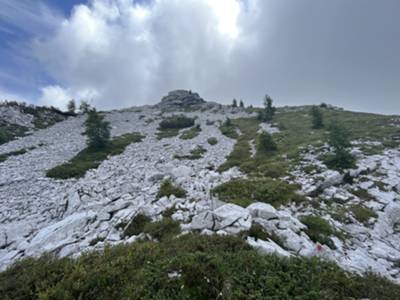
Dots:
pixel 3 157
pixel 196 153
pixel 362 214
pixel 229 129
pixel 319 230
pixel 189 267
pixel 212 141
pixel 176 122
pixel 191 133
pixel 243 192
pixel 168 188
pixel 8 132
pixel 91 158
pixel 135 226
pixel 169 127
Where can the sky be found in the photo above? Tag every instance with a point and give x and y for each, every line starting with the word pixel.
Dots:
pixel 122 53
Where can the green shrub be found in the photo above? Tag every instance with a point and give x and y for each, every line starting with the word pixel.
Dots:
pixel 265 143
pixel 243 192
pixel 319 230
pixel 136 225
pixel 162 230
pixel 212 141
pixel 363 214
pixel 206 267
pixel 91 158
pixel 3 157
pixel 167 189
pixel 228 129
pixel 191 133
pixel 176 122
pixel 196 153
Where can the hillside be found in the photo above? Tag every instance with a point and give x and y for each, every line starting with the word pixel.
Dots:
pixel 207 182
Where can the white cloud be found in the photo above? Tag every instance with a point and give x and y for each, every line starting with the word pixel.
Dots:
pixel 57 96
pixel 133 54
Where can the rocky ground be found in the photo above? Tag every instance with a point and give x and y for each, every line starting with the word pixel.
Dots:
pixel 39 214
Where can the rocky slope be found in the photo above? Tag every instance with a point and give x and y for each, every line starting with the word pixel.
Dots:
pixel 67 217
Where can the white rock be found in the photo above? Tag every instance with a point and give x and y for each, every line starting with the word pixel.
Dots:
pixel 262 210
pixel 267 247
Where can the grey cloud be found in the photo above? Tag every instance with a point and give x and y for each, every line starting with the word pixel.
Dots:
pixel 342 52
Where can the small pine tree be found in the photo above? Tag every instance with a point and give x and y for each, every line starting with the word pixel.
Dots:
pixel 228 122
pixel 71 106
pixel 317 118
pixel 266 143
pixel 234 103
pixel 84 107
pixel 340 142
pixel 268 112
pixel 241 104
pixel 97 130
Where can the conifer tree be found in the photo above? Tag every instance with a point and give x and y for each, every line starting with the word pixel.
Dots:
pixel 97 130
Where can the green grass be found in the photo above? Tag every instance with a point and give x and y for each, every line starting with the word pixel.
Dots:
pixel 319 230
pixel 205 267
pixel 3 157
pixel 91 158
pixel 243 192
pixel 167 133
pixel 196 153
pixel 296 133
pixel 9 132
pixel 228 128
pixel 167 189
pixel 135 226
pixel 190 133
pixel 162 230
pixel 362 214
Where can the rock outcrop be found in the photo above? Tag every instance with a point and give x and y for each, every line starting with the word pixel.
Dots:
pixel 181 99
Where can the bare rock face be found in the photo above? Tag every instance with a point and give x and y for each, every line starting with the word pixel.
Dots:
pixel 181 99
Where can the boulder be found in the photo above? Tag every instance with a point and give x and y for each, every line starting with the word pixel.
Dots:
pixel 262 210
pixel 267 247
pixel 232 218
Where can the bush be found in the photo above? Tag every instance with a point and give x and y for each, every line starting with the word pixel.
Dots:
pixel 228 129
pixel 190 267
pixel 243 192
pixel 317 118
pixel 196 153
pixel 319 230
pixel 97 130
pixel 212 141
pixel 136 225
pixel 266 143
pixel 167 189
pixel 362 214
pixel 191 133
pixel 163 230
pixel 176 122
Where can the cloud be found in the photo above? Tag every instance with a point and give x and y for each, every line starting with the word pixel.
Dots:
pixel 124 52
pixel 133 53
pixel 56 96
